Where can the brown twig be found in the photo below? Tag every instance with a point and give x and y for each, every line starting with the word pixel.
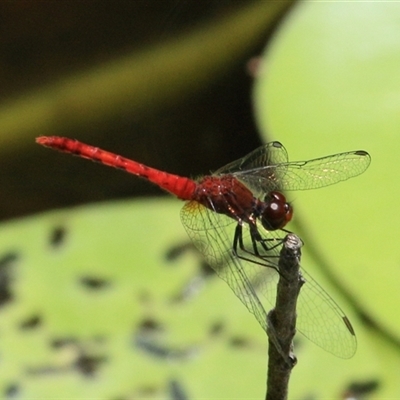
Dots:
pixel 282 320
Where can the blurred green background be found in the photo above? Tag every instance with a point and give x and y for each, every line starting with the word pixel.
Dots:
pixel 108 300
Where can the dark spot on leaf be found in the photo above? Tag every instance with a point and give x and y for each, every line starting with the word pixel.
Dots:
pixel 174 252
pixel 206 270
pixel 88 364
pixel 84 362
pixel 189 290
pixel 11 391
pixel 240 342
pixel 6 264
pixel 216 328
pixel 163 351
pixel 360 389
pixel 152 348
pixel 57 236
pixel 30 323
pixel 8 259
pixel 176 391
pixel 197 281
pixel 94 283
pixel 178 250
pixel 148 325
pixel 148 339
pixel 58 343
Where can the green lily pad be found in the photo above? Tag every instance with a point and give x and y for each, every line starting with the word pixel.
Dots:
pixel 112 301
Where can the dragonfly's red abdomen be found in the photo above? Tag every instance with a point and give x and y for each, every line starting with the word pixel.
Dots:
pixel 181 187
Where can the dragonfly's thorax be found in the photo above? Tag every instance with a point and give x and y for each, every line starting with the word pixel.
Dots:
pixel 227 195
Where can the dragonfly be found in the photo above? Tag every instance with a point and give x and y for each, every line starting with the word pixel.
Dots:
pixel 236 218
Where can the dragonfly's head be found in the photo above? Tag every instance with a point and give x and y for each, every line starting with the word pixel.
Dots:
pixel 277 212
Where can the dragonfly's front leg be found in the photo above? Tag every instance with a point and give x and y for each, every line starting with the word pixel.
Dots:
pixel 267 244
pixel 238 242
pixel 254 255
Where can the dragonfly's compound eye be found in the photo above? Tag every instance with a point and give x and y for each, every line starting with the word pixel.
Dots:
pixel 277 212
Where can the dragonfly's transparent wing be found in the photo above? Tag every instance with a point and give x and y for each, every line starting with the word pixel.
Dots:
pixel 319 318
pixel 271 154
pixel 261 170
pixel 212 234
pixel 322 320
pixel 302 175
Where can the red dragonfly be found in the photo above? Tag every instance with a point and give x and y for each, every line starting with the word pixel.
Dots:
pixel 235 217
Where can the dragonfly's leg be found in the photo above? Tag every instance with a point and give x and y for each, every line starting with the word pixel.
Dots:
pixel 254 256
pixel 258 240
pixel 255 239
pixel 238 240
pixel 277 242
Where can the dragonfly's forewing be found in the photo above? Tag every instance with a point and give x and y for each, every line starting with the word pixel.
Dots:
pixel 271 154
pixel 304 175
pixel 262 170
pixel 319 318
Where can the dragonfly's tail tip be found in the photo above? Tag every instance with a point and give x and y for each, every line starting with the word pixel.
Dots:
pixel 41 139
pixel 46 140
